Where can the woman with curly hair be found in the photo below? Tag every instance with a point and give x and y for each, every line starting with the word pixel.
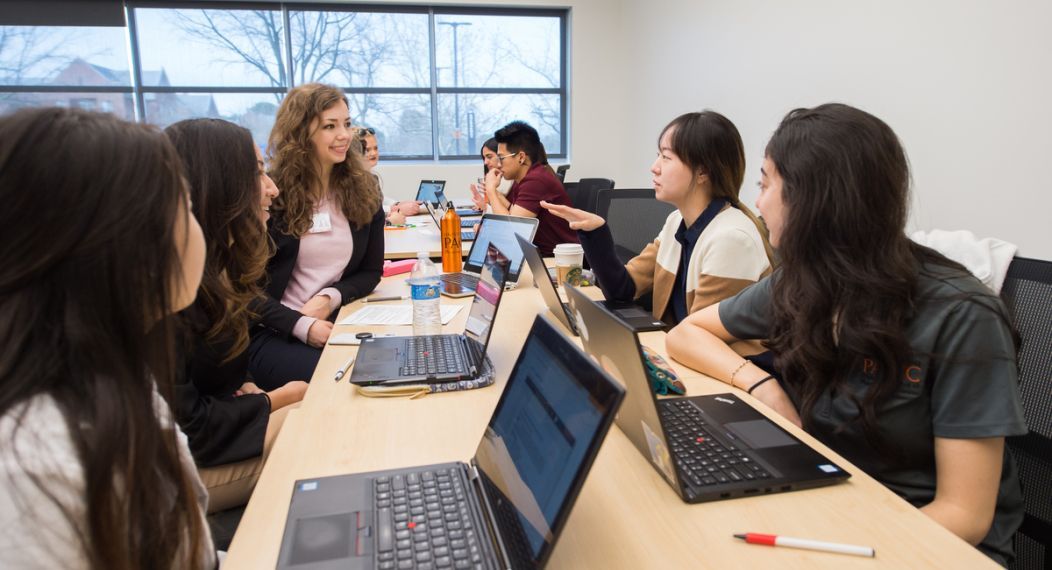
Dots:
pixel 327 226
pixel 891 354
pixel 230 422
pixel 97 248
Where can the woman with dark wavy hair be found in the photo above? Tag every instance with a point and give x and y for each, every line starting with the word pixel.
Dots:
pixel 891 354
pixel 230 422
pixel 97 248
pixel 709 248
pixel 327 225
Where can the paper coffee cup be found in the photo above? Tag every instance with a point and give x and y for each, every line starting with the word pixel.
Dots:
pixel 568 257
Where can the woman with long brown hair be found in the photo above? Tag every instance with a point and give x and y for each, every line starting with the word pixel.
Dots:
pixel 97 248
pixel 327 225
pixel 891 354
pixel 230 422
pixel 710 247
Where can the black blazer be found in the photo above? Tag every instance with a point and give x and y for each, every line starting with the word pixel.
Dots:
pixel 361 276
pixel 220 427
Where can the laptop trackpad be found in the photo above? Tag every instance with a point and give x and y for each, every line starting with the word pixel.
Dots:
pixel 380 354
pixel 759 434
pixel 328 537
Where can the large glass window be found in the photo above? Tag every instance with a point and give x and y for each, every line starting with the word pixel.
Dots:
pixel 435 82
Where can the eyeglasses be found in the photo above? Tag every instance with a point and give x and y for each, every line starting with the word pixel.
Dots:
pixel 501 158
pixel 362 131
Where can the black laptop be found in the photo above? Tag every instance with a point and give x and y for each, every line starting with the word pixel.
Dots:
pixel 429 191
pixel 494 229
pixel 442 357
pixel 633 315
pixel 471 214
pixel 436 213
pixel 707 447
pixel 504 509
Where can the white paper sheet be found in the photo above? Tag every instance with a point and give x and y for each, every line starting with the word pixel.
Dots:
pixel 393 315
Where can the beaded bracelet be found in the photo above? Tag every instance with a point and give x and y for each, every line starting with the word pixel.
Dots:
pixel 736 370
pixel 758 382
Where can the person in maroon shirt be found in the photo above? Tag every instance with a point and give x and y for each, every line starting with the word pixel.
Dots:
pixel 522 160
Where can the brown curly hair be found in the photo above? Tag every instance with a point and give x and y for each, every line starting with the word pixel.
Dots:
pixel 295 169
pixel 221 169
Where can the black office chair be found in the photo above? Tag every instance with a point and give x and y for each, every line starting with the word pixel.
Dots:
pixel 634 216
pixel 560 172
pixel 583 192
pixel 1027 292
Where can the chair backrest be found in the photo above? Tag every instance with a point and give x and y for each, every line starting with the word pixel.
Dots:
pixel 560 172
pixel 635 218
pixel 583 192
pixel 1027 292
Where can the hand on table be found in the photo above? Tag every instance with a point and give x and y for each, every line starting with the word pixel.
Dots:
pixel 248 388
pixel 317 307
pixel 319 332
pixel 290 393
pixel 407 208
pixel 579 219
pixel 396 218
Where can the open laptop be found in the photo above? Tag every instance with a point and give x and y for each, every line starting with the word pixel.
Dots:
pixel 442 357
pixel 494 229
pixel 443 202
pixel 429 191
pixel 504 509
pixel 436 213
pixel 633 315
pixel 707 447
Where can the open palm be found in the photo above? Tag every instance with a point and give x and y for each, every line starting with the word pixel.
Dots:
pixel 579 219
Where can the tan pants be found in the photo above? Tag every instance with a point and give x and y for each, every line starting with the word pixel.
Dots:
pixel 231 485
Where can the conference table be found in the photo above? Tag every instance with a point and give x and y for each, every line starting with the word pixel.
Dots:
pixel 626 516
pixel 419 234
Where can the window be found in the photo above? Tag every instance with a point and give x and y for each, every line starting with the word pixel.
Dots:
pixel 435 82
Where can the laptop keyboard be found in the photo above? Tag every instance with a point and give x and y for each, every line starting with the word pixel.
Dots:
pixel 467 236
pixel 470 281
pixel 701 459
pixel 439 354
pixel 423 521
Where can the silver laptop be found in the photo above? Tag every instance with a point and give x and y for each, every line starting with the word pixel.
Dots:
pixel 503 509
pixel 501 231
pixel 436 213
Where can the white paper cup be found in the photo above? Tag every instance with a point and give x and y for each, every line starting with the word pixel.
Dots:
pixel 568 256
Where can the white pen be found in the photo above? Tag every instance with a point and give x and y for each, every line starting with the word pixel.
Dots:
pixel 343 369
pixel 391 298
pixel 807 544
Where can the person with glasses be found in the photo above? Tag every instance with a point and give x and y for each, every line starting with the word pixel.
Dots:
pixel 521 159
pixel 328 231
pixel 891 354
pixel 397 211
pixel 709 248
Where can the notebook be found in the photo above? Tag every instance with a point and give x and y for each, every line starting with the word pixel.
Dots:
pixel 633 315
pixel 707 447
pixel 430 191
pixel 504 509
pixel 496 229
pixel 443 357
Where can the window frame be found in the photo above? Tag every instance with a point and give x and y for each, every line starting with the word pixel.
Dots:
pixel 138 91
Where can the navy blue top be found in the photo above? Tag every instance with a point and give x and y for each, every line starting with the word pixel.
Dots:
pixel 688 238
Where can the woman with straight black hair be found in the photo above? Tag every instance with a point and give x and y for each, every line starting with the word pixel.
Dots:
pixel 231 423
pixel 891 354
pixel 710 247
pixel 97 248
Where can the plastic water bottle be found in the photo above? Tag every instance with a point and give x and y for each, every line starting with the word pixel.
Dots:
pixel 425 285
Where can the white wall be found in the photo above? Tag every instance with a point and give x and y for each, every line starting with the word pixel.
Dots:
pixel 597 79
pixel 964 83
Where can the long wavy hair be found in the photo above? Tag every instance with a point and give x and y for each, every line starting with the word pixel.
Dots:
pixel 220 165
pixel 846 286
pixel 710 142
pixel 88 267
pixel 295 168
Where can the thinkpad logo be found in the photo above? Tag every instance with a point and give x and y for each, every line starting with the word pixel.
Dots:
pixel 724 400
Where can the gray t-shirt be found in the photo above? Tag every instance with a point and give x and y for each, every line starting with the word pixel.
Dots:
pixel 961 383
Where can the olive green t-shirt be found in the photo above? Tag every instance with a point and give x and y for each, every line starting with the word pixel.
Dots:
pixel 960 383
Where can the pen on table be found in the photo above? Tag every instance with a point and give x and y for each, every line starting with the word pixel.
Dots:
pixel 775 540
pixel 390 298
pixel 343 369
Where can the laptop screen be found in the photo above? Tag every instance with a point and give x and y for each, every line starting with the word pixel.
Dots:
pixel 487 296
pixel 501 231
pixel 540 443
pixel 429 189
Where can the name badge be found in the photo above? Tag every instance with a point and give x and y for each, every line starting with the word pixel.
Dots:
pixel 321 223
